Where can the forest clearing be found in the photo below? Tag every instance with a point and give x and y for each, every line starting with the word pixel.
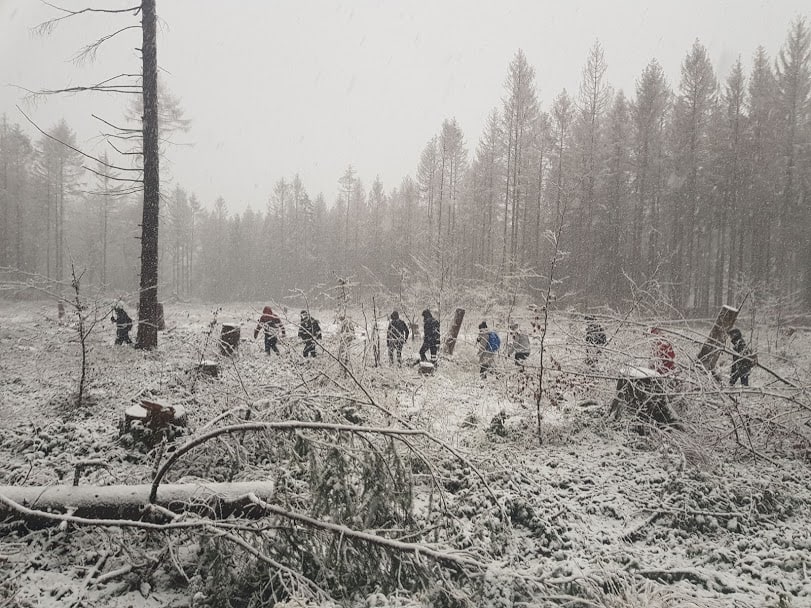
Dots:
pixel 394 488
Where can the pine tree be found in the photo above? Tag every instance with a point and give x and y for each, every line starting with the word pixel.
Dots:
pixel 519 113
pixel 693 111
pixel 793 78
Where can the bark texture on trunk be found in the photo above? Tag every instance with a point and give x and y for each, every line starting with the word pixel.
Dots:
pixel 147 309
pixel 450 339
pixel 711 349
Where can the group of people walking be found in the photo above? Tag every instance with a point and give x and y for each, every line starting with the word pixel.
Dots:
pixel 488 342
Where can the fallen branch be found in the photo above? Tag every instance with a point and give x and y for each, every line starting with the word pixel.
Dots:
pixel 292 425
pixel 459 561
pixel 121 505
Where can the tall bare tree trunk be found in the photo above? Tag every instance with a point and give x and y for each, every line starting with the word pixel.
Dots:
pixel 147 318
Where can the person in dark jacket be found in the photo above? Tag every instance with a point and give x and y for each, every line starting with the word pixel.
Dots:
pixel 123 324
pixel 743 361
pixel 595 340
pixel 396 336
pixel 309 331
pixel 272 327
pixel 430 340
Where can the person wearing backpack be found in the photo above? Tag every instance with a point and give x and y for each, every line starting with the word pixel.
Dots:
pixel 488 344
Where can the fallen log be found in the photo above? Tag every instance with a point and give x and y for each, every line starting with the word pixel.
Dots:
pixel 216 500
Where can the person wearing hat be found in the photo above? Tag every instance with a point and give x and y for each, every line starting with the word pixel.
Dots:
pixel 743 361
pixel 430 340
pixel 487 344
pixel 271 325
pixel 396 336
pixel 123 324
pixel 309 331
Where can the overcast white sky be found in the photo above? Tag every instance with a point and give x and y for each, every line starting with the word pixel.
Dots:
pixel 275 87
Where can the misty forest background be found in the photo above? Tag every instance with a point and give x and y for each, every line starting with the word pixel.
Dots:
pixel 700 192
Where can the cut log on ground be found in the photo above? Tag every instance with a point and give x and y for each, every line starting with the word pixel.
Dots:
pixel 426 368
pixel 450 340
pixel 712 348
pixel 208 368
pixel 217 500
pixel 645 392
pixel 229 339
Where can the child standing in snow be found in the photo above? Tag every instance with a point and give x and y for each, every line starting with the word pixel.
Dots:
pixel 309 331
pixel 664 357
pixel 272 327
pixel 743 361
pixel 396 336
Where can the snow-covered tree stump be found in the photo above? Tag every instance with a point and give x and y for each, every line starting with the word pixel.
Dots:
pixel 426 368
pixel 151 421
pixel 711 349
pixel 229 339
pixel 208 368
pixel 644 392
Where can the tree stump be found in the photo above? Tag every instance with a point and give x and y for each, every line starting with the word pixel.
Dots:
pixel 151 421
pixel 711 349
pixel 646 393
pixel 229 339
pixel 450 339
pixel 161 321
pixel 208 368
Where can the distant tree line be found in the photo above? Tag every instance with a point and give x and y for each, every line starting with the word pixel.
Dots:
pixel 702 190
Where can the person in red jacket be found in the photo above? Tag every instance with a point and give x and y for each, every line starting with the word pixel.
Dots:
pixel 272 326
pixel 664 357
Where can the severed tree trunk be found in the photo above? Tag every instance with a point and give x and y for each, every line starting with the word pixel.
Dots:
pixel 711 349
pixel 147 308
pixel 450 339
pixel 123 502
pixel 229 339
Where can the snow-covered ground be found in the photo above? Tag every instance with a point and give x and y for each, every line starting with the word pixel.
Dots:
pixel 663 519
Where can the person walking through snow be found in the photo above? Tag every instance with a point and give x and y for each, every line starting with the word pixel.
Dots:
pixel 271 325
pixel 664 357
pixel 519 345
pixel 488 344
pixel 123 324
pixel 309 331
pixel 743 361
pixel 430 340
pixel 396 336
